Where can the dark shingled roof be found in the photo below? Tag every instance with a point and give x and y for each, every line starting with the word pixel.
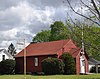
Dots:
pixel 93 61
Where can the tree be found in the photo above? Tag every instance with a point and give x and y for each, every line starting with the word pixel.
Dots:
pixel 91 38
pixel 70 67
pixel 11 49
pixel 74 31
pixel 7 67
pixel 92 23
pixel 58 31
pixel 93 8
pixel 52 66
pixel 42 36
pixel 91 41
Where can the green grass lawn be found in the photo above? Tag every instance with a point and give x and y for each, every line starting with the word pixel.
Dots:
pixel 92 76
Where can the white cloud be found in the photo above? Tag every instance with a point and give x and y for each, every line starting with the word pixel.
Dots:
pixel 5 4
pixel 24 11
pixel 10 33
pixel 45 16
pixel 24 18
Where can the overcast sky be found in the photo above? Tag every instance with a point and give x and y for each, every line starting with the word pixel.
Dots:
pixel 25 18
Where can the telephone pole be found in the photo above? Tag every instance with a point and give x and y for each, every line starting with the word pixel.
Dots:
pixel 24 44
pixel 24 60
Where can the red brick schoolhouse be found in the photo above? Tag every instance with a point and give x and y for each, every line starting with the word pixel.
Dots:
pixel 36 52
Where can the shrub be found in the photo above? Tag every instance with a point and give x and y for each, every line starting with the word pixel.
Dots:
pixel 93 69
pixel 52 66
pixel 70 67
pixel 7 66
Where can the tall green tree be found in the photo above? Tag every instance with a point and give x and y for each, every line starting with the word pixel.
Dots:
pixel 92 41
pixel 11 49
pixel 42 36
pixel 91 38
pixel 59 31
pixel 92 30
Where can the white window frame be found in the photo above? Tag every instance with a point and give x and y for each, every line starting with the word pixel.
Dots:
pixel 36 61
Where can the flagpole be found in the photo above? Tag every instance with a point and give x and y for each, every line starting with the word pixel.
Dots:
pixel 82 39
pixel 82 34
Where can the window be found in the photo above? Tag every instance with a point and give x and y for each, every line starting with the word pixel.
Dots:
pixel 36 61
pixel 3 57
pixel 83 62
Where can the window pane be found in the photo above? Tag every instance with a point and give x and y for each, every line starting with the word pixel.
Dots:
pixel 3 57
pixel 36 61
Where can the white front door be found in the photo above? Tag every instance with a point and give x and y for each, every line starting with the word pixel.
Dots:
pixel 82 65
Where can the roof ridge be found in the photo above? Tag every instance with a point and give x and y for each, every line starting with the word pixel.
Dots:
pixel 76 49
pixel 65 44
pixel 6 52
pixel 52 41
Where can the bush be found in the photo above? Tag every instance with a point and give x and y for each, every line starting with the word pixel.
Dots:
pixel 93 69
pixel 70 67
pixel 52 66
pixel 7 66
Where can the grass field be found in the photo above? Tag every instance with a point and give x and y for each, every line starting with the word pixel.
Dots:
pixel 93 76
